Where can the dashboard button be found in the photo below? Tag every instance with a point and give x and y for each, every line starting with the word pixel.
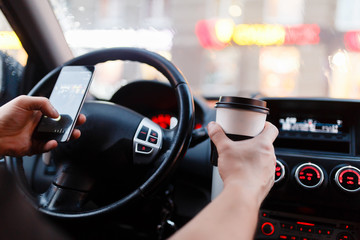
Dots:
pixel 309 175
pixel 319 231
pixel 287 226
pixel 346 226
pixel 348 178
pixel 143 133
pixel 328 232
pixel 344 236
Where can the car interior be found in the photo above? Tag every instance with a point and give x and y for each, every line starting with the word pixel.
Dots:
pixel 141 168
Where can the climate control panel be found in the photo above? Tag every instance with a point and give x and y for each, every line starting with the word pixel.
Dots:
pixel 309 175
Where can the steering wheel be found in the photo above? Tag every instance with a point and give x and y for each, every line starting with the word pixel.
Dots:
pixel 113 136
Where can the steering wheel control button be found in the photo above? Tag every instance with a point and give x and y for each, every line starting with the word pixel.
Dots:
pixel 154 134
pixel 348 178
pixel 267 228
pixel 279 171
pixel 143 149
pixel 143 133
pixel 309 175
pixel 152 140
pixel 147 142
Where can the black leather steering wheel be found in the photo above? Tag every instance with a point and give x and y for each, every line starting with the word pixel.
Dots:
pixel 112 135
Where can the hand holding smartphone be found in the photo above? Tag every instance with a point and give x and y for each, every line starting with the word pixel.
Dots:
pixel 67 97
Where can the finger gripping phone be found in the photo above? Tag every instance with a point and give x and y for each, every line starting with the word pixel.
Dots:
pixel 67 97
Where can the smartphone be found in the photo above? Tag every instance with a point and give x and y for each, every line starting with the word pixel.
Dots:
pixel 67 97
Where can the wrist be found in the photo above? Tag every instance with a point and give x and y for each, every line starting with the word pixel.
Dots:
pixel 245 193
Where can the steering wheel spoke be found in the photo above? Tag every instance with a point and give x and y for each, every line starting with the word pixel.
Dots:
pixel 69 190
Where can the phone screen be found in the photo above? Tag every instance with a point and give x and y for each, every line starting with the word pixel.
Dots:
pixel 67 97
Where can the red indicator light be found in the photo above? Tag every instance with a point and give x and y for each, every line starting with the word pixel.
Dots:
pixel 163 120
pixel 305 223
pixel 277 168
pixel 197 126
pixel 283 237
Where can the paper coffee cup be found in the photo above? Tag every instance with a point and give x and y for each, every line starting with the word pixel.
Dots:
pixel 240 118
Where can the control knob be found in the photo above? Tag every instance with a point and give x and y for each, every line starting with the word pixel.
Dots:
pixel 279 171
pixel 348 178
pixel 267 228
pixel 309 175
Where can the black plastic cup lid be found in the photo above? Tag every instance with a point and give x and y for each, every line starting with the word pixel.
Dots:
pixel 242 103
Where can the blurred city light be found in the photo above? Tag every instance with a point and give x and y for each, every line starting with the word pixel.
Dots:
pixel 235 11
pixel 205 31
pixel 302 34
pixel 224 30
pixel 218 33
pixel 259 34
pixel 352 41
pixel 340 61
pixel 279 68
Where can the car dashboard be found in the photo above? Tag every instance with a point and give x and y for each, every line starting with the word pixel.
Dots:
pixel 317 179
pixel 316 193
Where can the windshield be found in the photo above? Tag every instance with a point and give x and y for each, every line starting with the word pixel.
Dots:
pixel 277 48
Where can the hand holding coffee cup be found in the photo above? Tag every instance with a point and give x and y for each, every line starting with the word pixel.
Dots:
pixel 240 118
